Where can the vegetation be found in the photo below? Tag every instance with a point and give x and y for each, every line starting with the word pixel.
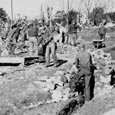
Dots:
pixel 3 15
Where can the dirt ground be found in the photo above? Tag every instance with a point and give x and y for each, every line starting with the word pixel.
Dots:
pixel 19 88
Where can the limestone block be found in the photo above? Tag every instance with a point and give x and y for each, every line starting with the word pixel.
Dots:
pixel 68 77
pixel 105 79
pixel 57 95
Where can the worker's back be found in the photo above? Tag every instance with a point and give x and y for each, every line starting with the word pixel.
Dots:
pixel 83 59
pixel 33 31
pixel 102 30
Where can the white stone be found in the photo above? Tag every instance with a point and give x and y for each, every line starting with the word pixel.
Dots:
pixel 108 87
pixel 65 97
pixel 66 90
pixel 68 77
pixel 104 79
pixel 111 112
pixel 98 84
pixel 56 95
pixel 50 86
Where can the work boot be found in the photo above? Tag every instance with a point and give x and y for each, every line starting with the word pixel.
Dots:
pixel 55 65
pixel 47 66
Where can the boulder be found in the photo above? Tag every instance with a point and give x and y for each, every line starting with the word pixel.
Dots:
pixel 66 94
pixel 106 79
pixel 56 96
pixel 63 79
pixel 50 86
pixel 68 77
pixel 59 82
pixel 111 112
pixel 108 87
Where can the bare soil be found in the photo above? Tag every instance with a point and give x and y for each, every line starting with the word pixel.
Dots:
pixel 18 90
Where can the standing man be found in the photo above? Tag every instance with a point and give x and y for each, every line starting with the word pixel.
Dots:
pixel 51 47
pixel 102 32
pixel 83 63
pixel 72 30
pixel 33 42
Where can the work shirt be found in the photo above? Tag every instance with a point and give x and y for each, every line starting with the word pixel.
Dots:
pixel 83 59
pixel 33 32
pixel 102 30
pixel 73 29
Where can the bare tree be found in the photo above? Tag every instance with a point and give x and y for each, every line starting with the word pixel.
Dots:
pixel 87 7
pixel 67 6
pixel 108 5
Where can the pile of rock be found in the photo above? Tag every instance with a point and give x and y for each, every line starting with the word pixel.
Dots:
pixel 102 85
pixel 103 79
pixel 57 85
pixel 103 62
pixel 99 56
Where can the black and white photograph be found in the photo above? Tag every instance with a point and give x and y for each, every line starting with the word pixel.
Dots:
pixel 57 57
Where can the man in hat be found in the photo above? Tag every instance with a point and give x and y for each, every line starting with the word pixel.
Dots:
pixel 72 30
pixel 51 47
pixel 33 42
pixel 85 71
pixel 102 31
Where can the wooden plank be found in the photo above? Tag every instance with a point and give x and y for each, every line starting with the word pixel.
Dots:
pixel 95 40
pixel 12 60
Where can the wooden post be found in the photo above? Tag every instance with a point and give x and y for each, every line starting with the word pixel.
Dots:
pixel 12 12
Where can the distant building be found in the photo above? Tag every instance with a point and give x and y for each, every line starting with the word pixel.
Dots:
pixel 59 15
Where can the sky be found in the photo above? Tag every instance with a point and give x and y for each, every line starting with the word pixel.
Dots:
pixel 31 8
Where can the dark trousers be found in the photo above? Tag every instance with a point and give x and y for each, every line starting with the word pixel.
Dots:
pixel 51 49
pixel 85 85
pixel 102 37
pixel 72 39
